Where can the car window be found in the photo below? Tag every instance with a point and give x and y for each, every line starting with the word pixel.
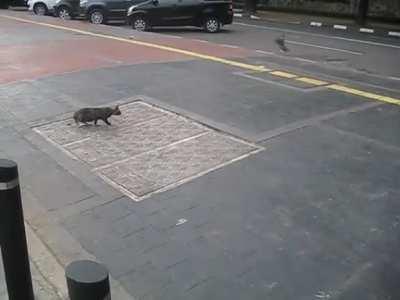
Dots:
pixel 135 2
pixel 168 2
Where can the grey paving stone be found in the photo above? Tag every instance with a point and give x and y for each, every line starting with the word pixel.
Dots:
pixel 28 102
pixel 128 225
pixel 114 210
pixel 58 190
pixel 365 124
pixel 172 164
pixel 144 280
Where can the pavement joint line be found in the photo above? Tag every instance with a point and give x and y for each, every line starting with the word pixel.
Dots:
pixel 355 135
pixel 270 134
pixel 165 188
pixel 145 44
pixel 118 162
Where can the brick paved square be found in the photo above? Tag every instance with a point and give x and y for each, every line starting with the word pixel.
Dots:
pixel 147 149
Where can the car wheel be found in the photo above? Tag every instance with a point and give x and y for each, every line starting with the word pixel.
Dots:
pixel 212 24
pixel 40 9
pixel 97 16
pixel 64 13
pixel 140 23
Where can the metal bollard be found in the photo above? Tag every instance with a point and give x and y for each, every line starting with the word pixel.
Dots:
pixel 87 280
pixel 13 243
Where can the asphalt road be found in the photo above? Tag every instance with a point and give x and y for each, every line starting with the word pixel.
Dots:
pixel 241 172
pixel 354 53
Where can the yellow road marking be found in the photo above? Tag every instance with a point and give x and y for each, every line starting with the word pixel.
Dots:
pixel 311 81
pixel 364 94
pixel 254 68
pixel 146 44
pixel 283 74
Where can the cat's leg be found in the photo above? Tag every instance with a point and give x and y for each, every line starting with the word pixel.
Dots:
pixel 106 121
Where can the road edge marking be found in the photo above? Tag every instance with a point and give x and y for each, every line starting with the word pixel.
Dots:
pixel 255 68
pixel 146 44
pixel 342 88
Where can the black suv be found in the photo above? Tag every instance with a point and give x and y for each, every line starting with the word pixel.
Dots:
pixel 200 13
pixel 101 11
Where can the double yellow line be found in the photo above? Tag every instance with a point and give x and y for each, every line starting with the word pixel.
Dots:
pixel 248 67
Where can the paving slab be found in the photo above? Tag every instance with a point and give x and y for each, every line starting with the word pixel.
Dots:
pixel 147 149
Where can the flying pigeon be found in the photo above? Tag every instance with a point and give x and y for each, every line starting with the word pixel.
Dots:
pixel 280 41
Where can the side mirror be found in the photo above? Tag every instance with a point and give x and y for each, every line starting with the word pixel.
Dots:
pixel 155 2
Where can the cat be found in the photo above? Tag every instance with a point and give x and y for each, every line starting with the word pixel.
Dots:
pixel 86 115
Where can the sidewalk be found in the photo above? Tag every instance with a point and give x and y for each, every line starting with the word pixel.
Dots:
pixel 323 21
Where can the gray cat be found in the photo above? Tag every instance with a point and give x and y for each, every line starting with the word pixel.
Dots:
pixel 85 115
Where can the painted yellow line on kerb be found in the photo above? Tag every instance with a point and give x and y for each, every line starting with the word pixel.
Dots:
pixel 146 44
pixel 364 94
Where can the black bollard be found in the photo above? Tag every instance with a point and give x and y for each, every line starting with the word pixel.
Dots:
pixel 87 280
pixel 13 243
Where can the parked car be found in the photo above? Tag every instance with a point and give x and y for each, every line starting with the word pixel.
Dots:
pixel 67 9
pixel 210 15
pixel 102 11
pixel 42 7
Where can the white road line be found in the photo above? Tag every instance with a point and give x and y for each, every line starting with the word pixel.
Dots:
pixel 265 52
pixel 333 37
pixel 238 15
pixel 229 46
pixel 341 27
pixel 367 30
pixel 394 78
pixel 394 33
pixel 174 36
pixel 323 47
pixel 286 57
pixel 201 41
pixel 316 24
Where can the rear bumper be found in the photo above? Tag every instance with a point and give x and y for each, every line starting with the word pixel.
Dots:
pixel 228 18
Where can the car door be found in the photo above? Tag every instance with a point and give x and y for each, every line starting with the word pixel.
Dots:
pixel 187 11
pixel 163 12
pixel 117 9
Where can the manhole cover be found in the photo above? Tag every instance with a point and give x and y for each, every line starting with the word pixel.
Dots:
pixel 147 149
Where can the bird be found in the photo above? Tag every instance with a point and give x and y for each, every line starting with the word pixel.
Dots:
pixel 280 41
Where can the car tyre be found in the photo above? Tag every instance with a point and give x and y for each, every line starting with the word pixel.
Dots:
pixel 140 23
pixel 64 13
pixel 97 16
pixel 212 24
pixel 40 9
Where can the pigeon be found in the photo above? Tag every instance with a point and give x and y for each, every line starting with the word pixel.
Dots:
pixel 280 41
